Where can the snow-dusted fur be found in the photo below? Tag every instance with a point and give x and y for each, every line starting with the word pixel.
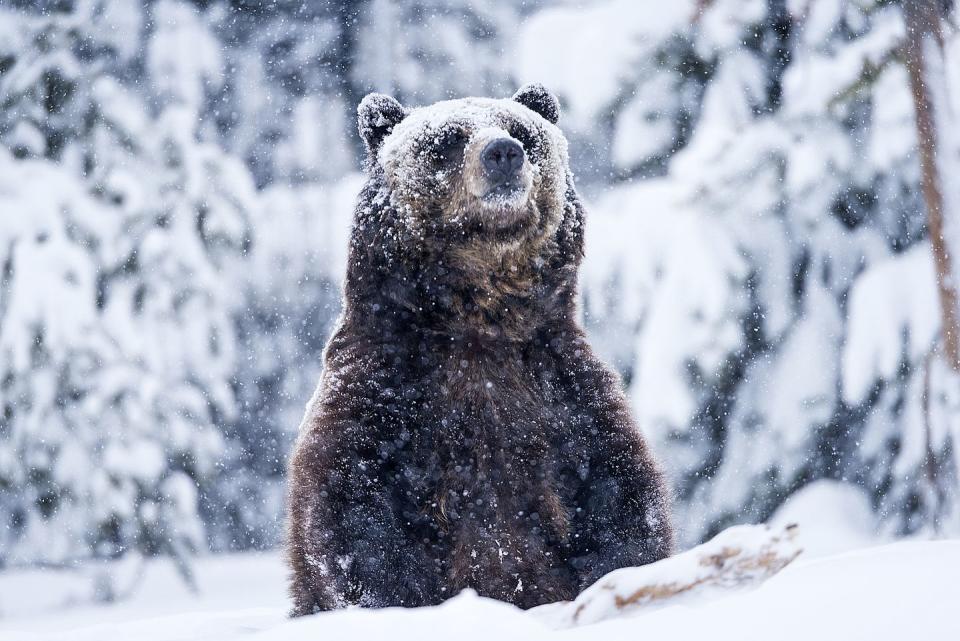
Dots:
pixel 463 433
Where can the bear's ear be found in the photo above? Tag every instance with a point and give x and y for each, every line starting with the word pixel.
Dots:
pixel 377 115
pixel 535 97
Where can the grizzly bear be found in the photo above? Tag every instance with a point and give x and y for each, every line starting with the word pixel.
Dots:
pixel 463 434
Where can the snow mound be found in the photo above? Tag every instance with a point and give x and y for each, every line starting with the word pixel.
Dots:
pixel 832 517
pixel 899 591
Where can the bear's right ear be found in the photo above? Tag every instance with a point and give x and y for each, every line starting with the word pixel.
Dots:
pixel 535 97
pixel 377 115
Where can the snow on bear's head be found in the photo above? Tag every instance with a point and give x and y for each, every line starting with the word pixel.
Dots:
pixel 479 167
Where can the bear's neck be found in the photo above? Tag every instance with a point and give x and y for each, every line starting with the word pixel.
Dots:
pixel 465 296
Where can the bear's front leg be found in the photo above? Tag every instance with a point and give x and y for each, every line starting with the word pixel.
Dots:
pixel 623 517
pixel 349 542
pixel 622 506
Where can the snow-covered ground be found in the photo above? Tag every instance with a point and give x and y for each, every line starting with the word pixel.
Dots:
pixel 902 590
pixel 905 590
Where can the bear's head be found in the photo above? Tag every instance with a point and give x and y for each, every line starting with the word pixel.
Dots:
pixel 471 169
pixel 477 188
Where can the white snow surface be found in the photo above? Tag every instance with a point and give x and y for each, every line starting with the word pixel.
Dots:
pixel 899 591
pixel 841 512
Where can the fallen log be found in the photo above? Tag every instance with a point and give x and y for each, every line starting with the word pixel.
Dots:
pixel 739 556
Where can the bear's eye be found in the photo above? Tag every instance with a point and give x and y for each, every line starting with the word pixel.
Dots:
pixel 448 146
pixel 526 138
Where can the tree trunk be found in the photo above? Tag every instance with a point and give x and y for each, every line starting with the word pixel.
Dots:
pixel 936 130
pixel 924 52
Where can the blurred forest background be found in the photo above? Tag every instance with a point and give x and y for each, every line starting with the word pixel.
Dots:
pixel 176 185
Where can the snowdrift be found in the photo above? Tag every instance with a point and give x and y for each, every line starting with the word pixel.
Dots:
pixel 719 590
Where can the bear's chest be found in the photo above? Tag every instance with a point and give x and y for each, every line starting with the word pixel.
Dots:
pixel 486 442
pixel 478 403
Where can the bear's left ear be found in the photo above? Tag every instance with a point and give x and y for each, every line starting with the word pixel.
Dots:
pixel 535 97
pixel 377 115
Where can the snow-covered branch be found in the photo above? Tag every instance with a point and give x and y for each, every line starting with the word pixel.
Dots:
pixel 739 556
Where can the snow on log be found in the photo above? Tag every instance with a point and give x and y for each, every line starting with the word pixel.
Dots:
pixel 739 556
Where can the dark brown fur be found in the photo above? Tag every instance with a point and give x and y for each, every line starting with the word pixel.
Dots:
pixel 463 433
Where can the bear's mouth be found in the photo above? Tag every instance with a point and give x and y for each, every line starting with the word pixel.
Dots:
pixel 506 205
pixel 510 192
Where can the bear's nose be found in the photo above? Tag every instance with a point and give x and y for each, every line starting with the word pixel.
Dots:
pixel 502 159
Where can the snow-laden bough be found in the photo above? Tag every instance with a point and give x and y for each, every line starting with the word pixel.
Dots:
pixel 743 555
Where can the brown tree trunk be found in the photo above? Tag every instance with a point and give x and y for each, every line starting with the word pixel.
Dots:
pixel 924 39
pixel 925 58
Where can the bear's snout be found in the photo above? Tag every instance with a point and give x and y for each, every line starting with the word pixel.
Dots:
pixel 502 160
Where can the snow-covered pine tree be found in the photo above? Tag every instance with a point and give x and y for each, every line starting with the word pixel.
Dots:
pixel 119 225
pixel 770 298
pixel 904 316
